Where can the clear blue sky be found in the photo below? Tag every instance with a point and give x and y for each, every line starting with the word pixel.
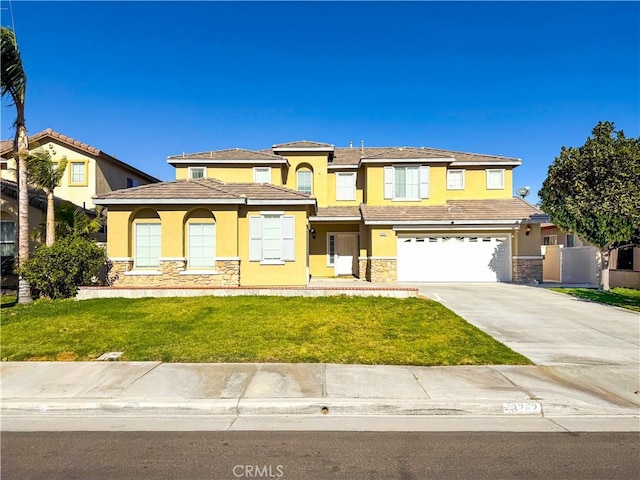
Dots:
pixel 145 80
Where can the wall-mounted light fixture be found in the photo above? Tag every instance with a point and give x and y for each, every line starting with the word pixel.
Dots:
pixel 527 231
pixel 312 231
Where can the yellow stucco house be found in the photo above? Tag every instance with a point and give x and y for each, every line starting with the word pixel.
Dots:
pixel 307 209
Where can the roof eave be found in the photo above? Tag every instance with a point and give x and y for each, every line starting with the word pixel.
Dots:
pixel 409 160
pixel 204 161
pixel 500 163
pixel 169 201
pixel 447 222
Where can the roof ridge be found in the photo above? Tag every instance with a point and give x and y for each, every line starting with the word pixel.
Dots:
pixel 203 182
pixel 209 152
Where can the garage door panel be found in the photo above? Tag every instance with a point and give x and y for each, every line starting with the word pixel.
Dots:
pixel 454 259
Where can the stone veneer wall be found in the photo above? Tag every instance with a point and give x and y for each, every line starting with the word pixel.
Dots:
pixel 527 270
pixel 228 275
pixel 364 269
pixel 383 270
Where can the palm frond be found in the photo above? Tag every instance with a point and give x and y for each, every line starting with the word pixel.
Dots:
pixel 12 74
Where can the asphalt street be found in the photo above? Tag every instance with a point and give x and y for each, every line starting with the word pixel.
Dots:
pixel 319 455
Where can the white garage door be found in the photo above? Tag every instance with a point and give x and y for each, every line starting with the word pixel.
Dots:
pixel 454 259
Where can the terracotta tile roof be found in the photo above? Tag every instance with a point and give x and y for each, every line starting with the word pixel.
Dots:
pixel 229 154
pixel 205 189
pixel 338 212
pixel 455 210
pixel 6 148
pixel 303 144
pixel 37 198
pixel 352 156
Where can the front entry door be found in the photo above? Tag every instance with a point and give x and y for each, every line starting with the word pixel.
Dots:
pixel 346 253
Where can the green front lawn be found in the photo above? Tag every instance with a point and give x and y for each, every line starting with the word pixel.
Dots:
pixel 620 297
pixel 250 329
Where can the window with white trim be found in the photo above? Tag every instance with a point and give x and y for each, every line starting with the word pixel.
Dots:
pixel 148 243
pixel 406 182
pixel 7 238
pixel 202 245
pixel 78 173
pixel 197 172
pixel 455 179
pixel 262 174
pixel 271 238
pixel 550 240
pixel 346 186
pixel 305 180
pixel 495 179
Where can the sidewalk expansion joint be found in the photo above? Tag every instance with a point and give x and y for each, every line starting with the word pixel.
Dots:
pixel 415 377
pixel 246 387
pixel 141 376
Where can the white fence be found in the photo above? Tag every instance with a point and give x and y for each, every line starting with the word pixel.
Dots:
pixel 570 264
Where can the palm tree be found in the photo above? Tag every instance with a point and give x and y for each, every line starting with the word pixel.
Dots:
pixel 72 220
pixel 44 174
pixel 14 83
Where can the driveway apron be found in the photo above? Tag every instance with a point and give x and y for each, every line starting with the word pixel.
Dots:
pixel 549 328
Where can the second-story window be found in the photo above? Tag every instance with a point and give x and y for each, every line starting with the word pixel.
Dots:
pixel 346 186
pixel 262 174
pixel 495 179
pixel 305 180
pixel 455 179
pixel 197 172
pixel 406 182
pixel 78 173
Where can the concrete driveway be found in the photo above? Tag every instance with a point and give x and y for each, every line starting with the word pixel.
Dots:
pixel 547 327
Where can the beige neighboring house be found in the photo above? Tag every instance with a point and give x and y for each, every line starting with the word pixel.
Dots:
pixel 569 259
pixel 90 171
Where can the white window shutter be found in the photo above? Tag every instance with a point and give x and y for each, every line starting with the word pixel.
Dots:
pixel 388 182
pixel 255 239
pixel 424 182
pixel 288 238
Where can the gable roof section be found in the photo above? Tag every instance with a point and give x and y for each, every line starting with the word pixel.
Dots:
pixel 229 155
pixel 6 150
pixel 355 156
pixel 511 210
pixel 205 191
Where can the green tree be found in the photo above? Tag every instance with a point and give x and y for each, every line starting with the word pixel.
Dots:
pixel 594 191
pixel 14 84
pixel 46 175
pixel 58 270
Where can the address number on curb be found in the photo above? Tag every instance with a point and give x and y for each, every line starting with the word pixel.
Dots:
pixel 522 408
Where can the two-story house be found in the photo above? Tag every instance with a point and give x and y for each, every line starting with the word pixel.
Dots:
pixel 308 209
pixel 90 171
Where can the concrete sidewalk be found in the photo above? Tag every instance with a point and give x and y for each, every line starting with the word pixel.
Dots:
pixel 48 391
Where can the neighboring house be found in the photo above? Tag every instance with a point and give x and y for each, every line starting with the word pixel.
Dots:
pixel 569 259
pixel 90 171
pixel 307 209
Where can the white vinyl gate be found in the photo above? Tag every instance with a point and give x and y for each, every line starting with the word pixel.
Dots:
pixel 454 259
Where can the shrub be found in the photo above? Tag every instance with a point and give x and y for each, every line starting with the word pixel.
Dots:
pixel 57 271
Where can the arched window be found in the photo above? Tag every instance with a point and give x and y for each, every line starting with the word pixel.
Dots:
pixel 305 180
pixel 200 233
pixel 147 239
